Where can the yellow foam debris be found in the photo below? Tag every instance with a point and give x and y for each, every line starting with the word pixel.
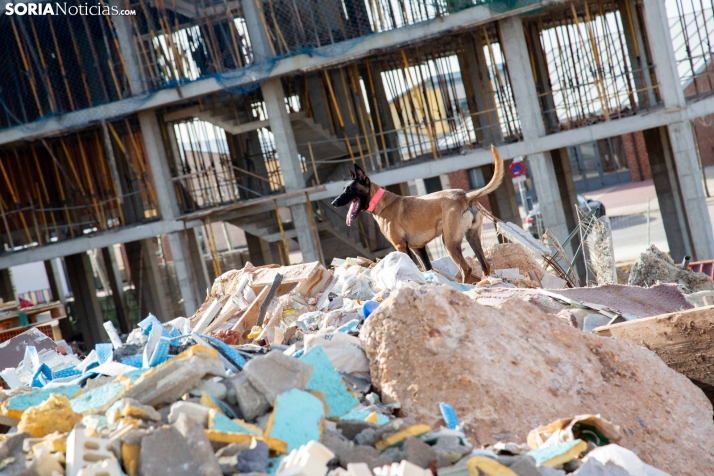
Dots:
pixel 130 458
pixel 276 446
pixel 207 401
pixel 127 411
pixel 55 442
pixel 54 414
pixel 482 466
pixel 372 417
pixel 398 437
pixel 255 332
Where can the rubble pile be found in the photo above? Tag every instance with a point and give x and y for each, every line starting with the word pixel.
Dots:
pixel 368 369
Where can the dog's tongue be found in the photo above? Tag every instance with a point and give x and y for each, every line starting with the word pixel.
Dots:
pixel 350 212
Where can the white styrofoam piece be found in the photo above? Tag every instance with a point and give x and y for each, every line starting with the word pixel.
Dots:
pixel 113 334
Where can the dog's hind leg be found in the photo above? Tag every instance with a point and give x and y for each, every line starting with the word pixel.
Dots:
pixel 424 258
pixel 473 236
pixel 454 229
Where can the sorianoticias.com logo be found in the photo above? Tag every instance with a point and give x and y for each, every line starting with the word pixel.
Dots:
pixel 64 8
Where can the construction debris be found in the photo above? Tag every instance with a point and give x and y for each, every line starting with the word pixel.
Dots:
pixel 655 266
pixel 301 370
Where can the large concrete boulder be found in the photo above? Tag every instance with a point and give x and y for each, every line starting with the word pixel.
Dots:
pixel 655 266
pixel 508 370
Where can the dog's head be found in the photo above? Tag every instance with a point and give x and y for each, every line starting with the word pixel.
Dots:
pixel 355 194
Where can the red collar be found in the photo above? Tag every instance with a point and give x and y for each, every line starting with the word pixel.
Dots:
pixel 375 200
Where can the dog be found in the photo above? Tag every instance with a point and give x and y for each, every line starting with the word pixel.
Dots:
pixel 409 223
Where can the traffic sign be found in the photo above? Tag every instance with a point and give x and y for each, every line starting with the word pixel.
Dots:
pixel 517 169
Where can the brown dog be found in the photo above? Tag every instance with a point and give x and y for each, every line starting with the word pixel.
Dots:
pixel 409 223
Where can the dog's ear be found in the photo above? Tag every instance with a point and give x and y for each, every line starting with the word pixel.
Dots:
pixel 361 176
pixel 352 174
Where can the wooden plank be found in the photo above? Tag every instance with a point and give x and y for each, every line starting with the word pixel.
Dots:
pixel 250 316
pixel 683 340
pixel 306 279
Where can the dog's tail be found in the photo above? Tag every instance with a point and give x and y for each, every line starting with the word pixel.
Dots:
pixel 495 180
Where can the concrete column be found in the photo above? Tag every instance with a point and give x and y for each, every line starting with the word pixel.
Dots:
pixel 203 282
pixel 7 290
pixel 184 273
pixel 526 96
pixel 261 252
pixel 89 314
pixel 479 94
pixel 662 49
pixel 636 51
pixel 401 188
pixel 282 130
pixel 125 37
pixel 151 293
pixel 382 114
pixel 117 287
pixel 54 270
pixel 503 200
pixel 695 228
pixel 543 78
pixel 318 101
pixel 168 205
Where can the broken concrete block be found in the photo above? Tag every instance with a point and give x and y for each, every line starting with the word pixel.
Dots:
pixel 593 467
pixel 351 428
pixel 364 454
pixel 166 452
pixel 296 428
pixel 329 383
pixel 83 450
pixel 197 412
pixel 592 321
pixel 406 352
pixel 107 467
pixel 251 402
pixel 550 281
pixel 365 437
pixel 309 460
pixel 170 380
pixel 16 405
pixel 653 265
pixel 98 399
pixel 199 445
pixel 522 465
pixel 558 454
pixel 405 468
pixel 276 373
pixel 128 407
pixel 418 452
pixel 254 459
pixel 216 390
pixel 54 414
pixel 12 456
pixel 451 447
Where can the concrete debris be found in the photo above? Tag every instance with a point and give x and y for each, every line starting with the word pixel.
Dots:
pixel 655 266
pixel 367 369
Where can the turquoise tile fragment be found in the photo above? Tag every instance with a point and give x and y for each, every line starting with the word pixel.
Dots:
pixel 541 455
pixel 361 415
pixel 297 418
pixel 97 398
pixel 224 424
pixel 329 382
pixel 24 401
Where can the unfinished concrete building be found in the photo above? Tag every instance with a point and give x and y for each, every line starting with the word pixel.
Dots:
pixel 156 130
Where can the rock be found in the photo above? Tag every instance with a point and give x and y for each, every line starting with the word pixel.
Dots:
pixel 653 265
pixel 593 467
pixel 394 453
pixel 255 459
pixel 251 402
pixel 128 407
pixel 522 465
pixel 513 368
pixel 365 437
pixel 11 455
pixel 54 414
pixel 418 452
pixel 364 454
pixel 197 412
pixel 398 424
pixel 165 452
pixel 351 428
pixel 276 373
pixel 199 445
pixel 451 448
pixel 513 255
